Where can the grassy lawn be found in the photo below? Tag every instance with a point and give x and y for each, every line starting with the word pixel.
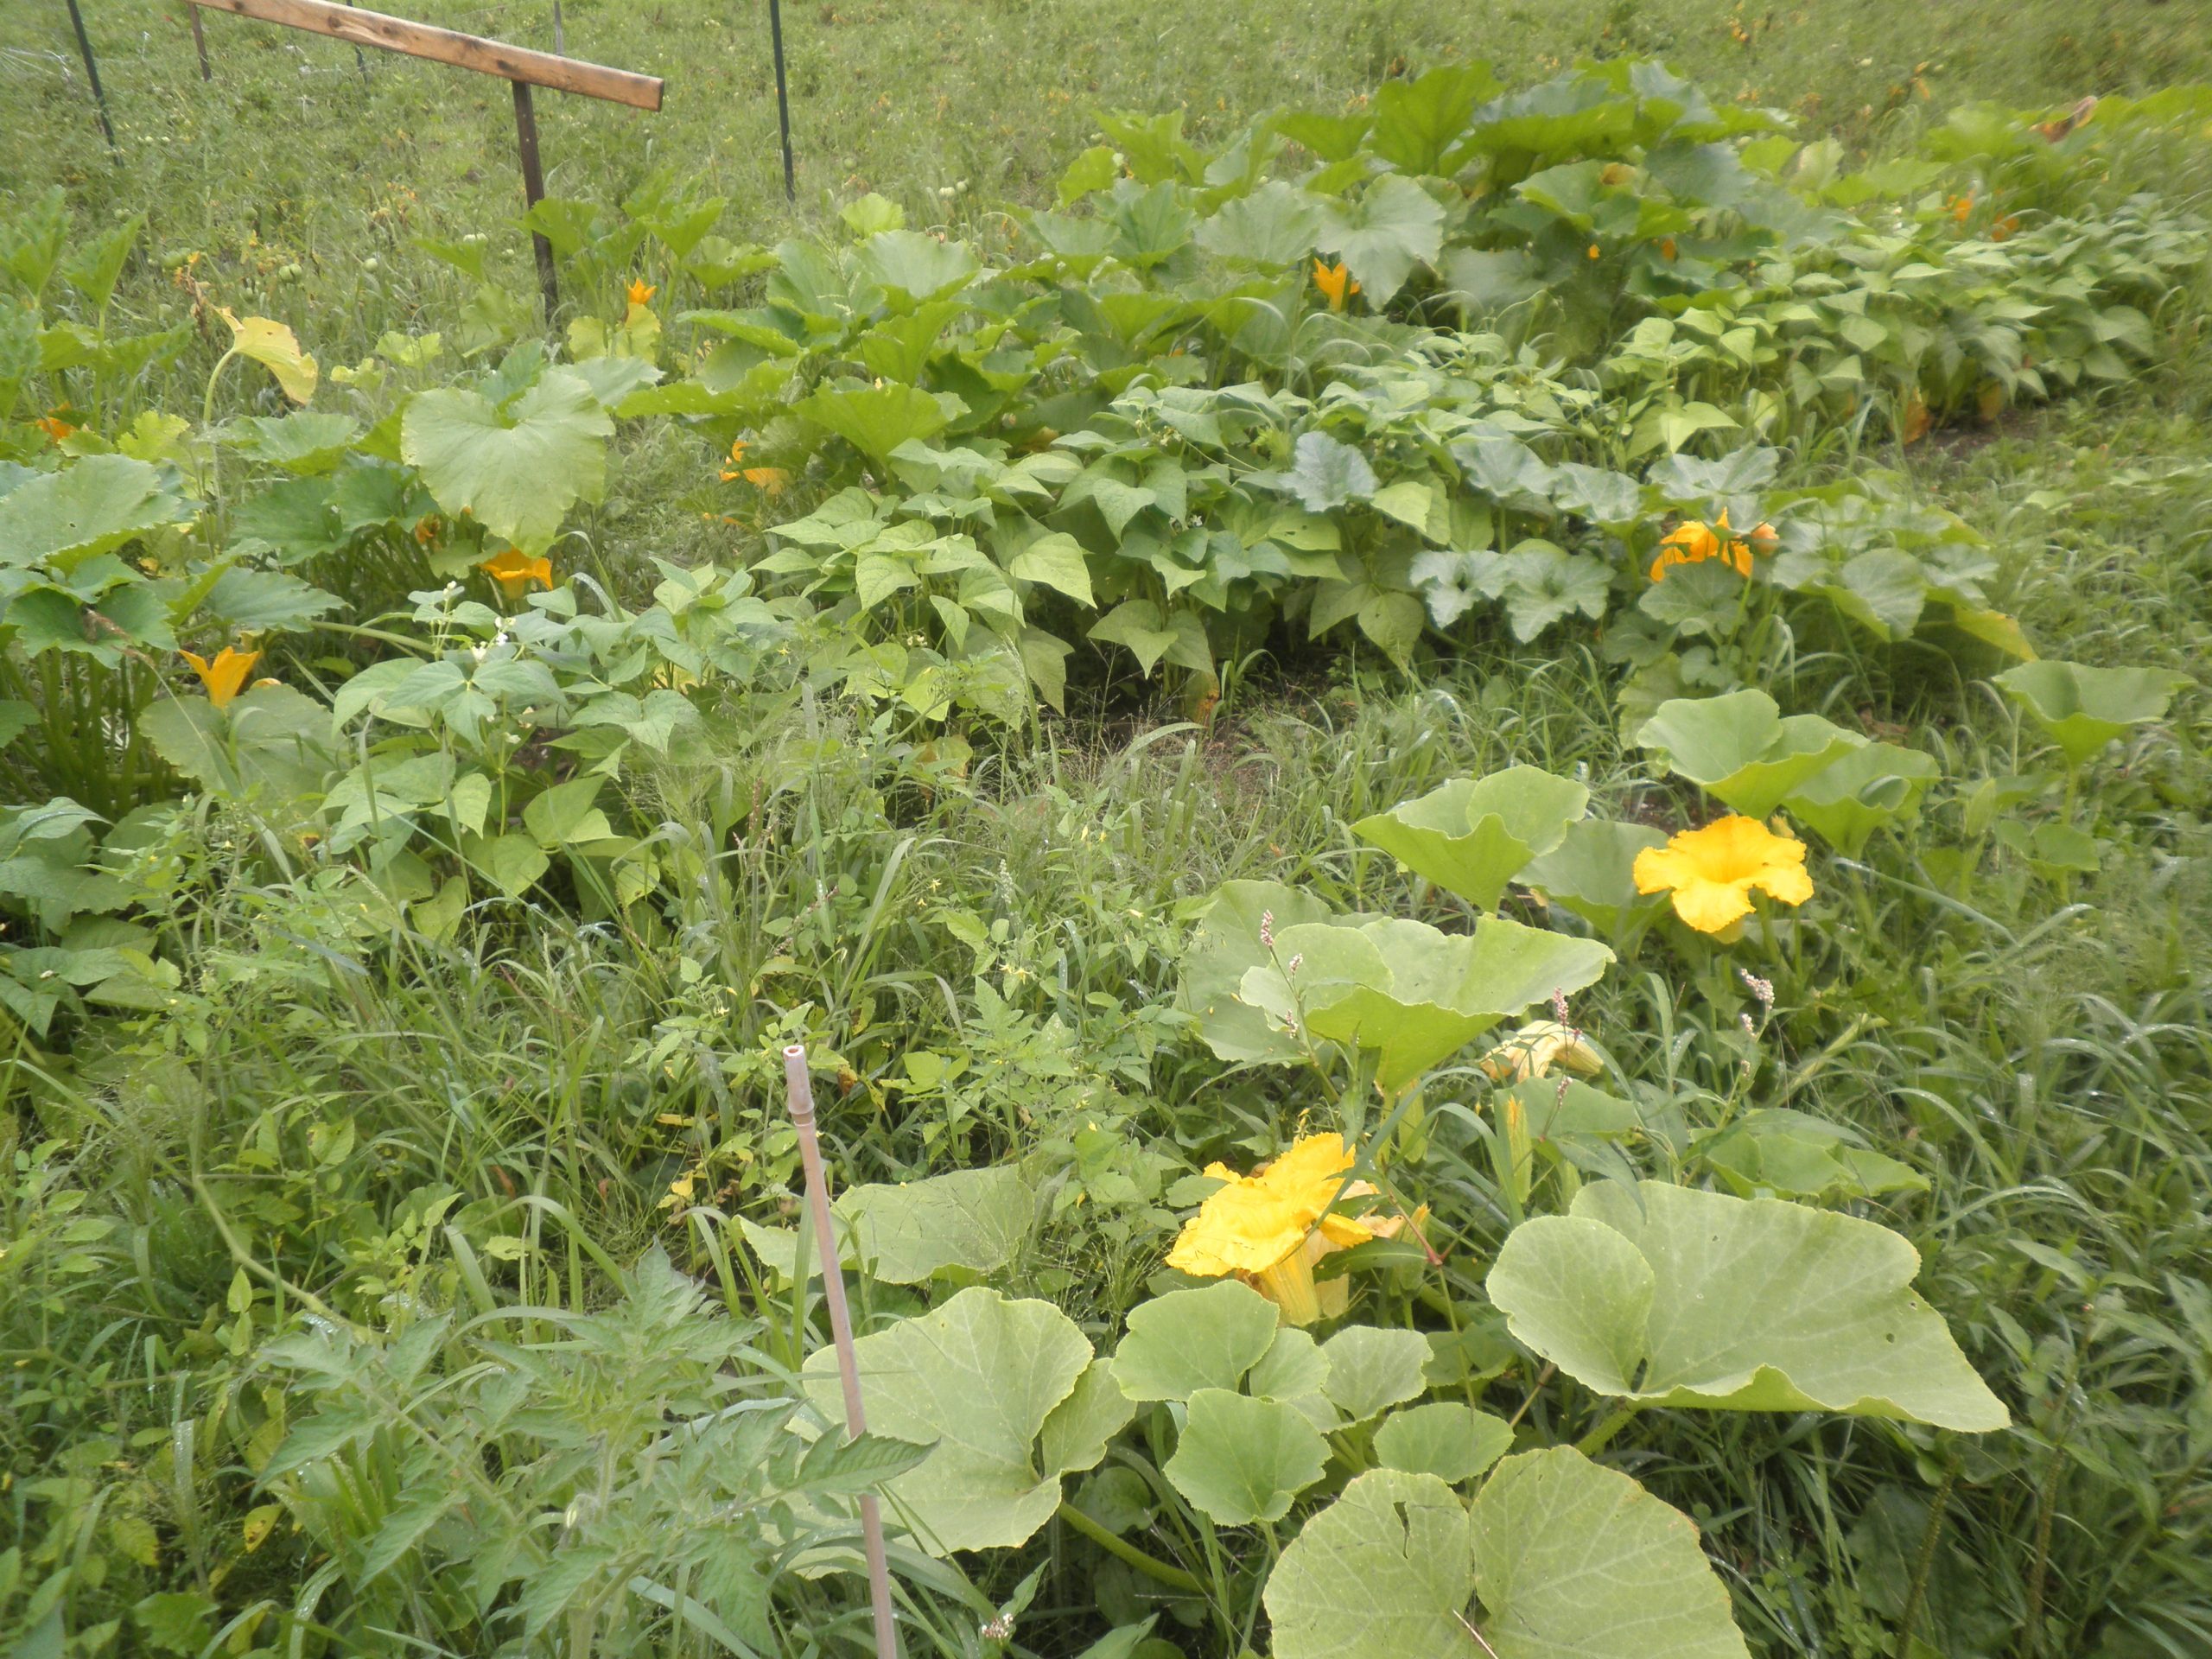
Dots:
pixel 403 1169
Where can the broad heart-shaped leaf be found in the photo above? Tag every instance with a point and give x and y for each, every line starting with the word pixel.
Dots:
pixel 1191 1339
pixel 2083 709
pixel 1386 1572
pixel 1661 1293
pixel 60 519
pixel 1241 1460
pixel 981 1375
pixel 1226 945
pixel 1274 226
pixel 1591 874
pixel 1412 993
pixel 1473 835
pixel 1371 1369
pixel 1451 1441
pixel 1393 225
pixel 1739 750
pixel 516 473
pixel 1326 473
pixel 875 420
pixel 920 267
pixel 1847 802
pixel 972 1219
pixel 1574 1560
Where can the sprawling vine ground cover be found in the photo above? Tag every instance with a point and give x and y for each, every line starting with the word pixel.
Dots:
pixel 1486 974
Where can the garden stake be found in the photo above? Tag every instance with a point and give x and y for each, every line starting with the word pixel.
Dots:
pixel 801 1095
pixel 533 192
pixel 200 43
pixel 783 93
pixel 93 74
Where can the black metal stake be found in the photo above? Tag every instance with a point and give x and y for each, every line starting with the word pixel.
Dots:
pixel 361 62
pixel 200 42
pixel 93 74
pixel 533 191
pixel 782 94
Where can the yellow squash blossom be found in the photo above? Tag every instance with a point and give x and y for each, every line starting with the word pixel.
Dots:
pixel 769 481
pixel 1695 542
pixel 514 573
pixel 1711 872
pixel 1335 283
pixel 641 292
pixel 1535 1048
pixel 731 473
pixel 1270 1227
pixel 55 427
pixel 226 677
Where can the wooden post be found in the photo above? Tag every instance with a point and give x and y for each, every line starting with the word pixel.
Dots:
pixel 799 1093
pixel 365 28
pixel 93 74
pixel 200 43
pixel 783 96
pixel 533 192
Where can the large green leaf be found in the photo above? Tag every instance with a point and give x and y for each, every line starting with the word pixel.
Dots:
pixel 971 1219
pixel 1191 1339
pixel 1242 1460
pixel 1473 836
pixel 1385 1572
pixel 1371 1369
pixel 269 746
pixel 1847 801
pixel 1661 1293
pixel 983 1377
pixel 1591 874
pixel 1274 226
pixel 1227 945
pixel 1393 225
pixel 1740 750
pixel 60 519
pixel 1573 1560
pixel 1408 991
pixel 2084 708
pixel 876 420
pixel 920 267
pixel 1451 1441
pixel 515 472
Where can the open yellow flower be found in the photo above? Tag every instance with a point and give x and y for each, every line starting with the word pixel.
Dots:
pixel 1711 872
pixel 641 292
pixel 1695 542
pixel 1335 283
pixel 1270 1227
pixel 514 573
pixel 226 676
pixel 1535 1048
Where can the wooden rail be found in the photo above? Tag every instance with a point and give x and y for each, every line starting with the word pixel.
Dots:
pixel 516 63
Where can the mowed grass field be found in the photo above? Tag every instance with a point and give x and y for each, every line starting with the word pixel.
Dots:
pixel 2044 1047
pixel 292 154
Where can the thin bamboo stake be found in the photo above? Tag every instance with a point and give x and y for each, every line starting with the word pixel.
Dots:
pixel 801 1088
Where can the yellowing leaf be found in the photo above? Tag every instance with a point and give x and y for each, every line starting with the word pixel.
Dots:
pixel 276 349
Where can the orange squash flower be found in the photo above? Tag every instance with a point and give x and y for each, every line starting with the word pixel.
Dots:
pixel 226 677
pixel 1695 541
pixel 1335 283
pixel 514 573
pixel 642 292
